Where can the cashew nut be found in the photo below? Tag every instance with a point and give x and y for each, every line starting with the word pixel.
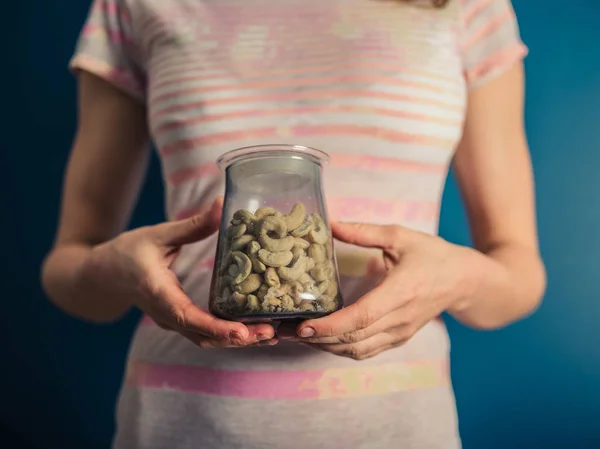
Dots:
pixel 332 289
pixel 243 216
pixel 271 302
pixel 327 303
pixel 250 284
pixel 302 230
pixel 295 217
pixel 241 242
pixel 236 231
pixel 239 298
pixel 305 279
pixel 244 266
pixel 319 234
pixel 273 225
pixel 265 211
pixel 276 245
pixel 279 259
pixel 262 291
pixel 323 286
pixel 252 250
pixel 294 272
pixel 323 271
pixel 296 288
pixel 317 253
pixel 252 302
pixel 287 303
pixel 318 290
pixel 278 291
pixel 301 243
pixel 271 278
pixel 306 306
pixel 297 252
pixel 233 271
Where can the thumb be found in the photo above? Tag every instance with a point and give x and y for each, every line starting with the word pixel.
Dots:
pixel 367 235
pixel 195 228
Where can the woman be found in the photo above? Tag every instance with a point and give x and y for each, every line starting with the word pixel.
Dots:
pixel 394 91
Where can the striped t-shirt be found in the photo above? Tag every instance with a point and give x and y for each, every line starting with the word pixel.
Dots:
pixel 379 85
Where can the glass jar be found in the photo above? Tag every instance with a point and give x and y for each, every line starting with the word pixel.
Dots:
pixel 275 258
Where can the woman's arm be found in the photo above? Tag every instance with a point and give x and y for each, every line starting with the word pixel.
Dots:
pixel 494 174
pixel 498 282
pixel 96 271
pixel 103 178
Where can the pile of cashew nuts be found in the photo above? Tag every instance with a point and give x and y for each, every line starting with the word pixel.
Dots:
pixel 276 263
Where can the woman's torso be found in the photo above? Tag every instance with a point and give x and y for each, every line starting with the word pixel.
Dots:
pixel 378 85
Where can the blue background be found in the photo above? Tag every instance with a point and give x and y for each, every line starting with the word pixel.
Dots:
pixel 533 385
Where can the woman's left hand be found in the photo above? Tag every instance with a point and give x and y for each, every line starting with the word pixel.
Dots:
pixel 424 276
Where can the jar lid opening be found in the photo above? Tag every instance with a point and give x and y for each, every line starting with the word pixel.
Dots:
pixel 272 150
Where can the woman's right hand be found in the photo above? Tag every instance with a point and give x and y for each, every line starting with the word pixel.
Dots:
pixel 135 268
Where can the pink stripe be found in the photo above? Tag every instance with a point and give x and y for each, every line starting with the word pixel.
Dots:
pixel 491 26
pixel 350 161
pixel 186 174
pixel 115 36
pixel 115 75
pixel 379 163
pixel 477 8
pixel 502 58
pixel 360 381
pixel 305 82
pixel 287 55
pixel 376 210
pixel 356 94
pixel 173 69
pixel 110 8
pixel 237 16
pixel 292 60
pixel 272 133
pixel 324 109
pixel 367 210
pixel 295 67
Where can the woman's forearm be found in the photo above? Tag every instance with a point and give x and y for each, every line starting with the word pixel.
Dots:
pixel 63 283
pixel 506 284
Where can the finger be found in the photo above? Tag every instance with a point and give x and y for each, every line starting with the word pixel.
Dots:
pixel 356 317
pixel 361 350
pixel 257 337
pixel 208 343
pixel 369 235
pixel 261 332
pixel 271 342
pixel 192 229
pixel 177 310
pixel 397 322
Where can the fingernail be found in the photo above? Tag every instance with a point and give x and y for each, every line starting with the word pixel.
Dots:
pixel 307 332
pixel 262 337
pixel 270 342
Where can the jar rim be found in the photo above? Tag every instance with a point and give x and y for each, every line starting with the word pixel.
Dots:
pixel 250 152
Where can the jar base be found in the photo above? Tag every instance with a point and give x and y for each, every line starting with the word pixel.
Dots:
pixel 264 318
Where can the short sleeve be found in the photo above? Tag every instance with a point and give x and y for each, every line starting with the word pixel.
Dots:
pixel 490 39
pixel 106 48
